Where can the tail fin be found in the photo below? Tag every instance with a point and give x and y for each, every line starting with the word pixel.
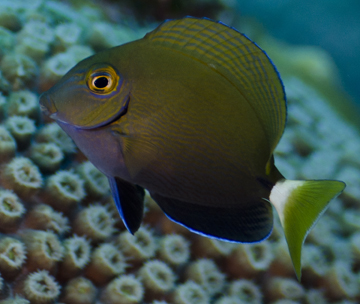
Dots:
pixel 299 205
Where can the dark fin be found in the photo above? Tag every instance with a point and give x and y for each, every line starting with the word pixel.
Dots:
pixel 234 56
pixel 245 225
pixel 299 205
pixel 129 200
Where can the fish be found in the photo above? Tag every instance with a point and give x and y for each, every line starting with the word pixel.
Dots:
pixel 192 112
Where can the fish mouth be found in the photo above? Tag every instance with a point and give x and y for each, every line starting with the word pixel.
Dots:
pixel 47 105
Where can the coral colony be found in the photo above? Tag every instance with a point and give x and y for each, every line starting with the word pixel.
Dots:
pixel 61 238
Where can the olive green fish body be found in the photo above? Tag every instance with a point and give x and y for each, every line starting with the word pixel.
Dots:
pixel 181 125
pixel 192 113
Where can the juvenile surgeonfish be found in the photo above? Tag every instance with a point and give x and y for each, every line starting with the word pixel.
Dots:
pixel 192 112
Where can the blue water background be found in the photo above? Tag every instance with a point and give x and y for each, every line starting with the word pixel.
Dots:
pixel 331 24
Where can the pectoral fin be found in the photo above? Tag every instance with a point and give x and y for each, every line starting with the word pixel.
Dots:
pixel 249 223
pixel 299 205
pixel 138 152
pixel 129 200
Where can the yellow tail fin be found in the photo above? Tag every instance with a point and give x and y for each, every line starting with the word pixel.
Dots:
pixel 299 205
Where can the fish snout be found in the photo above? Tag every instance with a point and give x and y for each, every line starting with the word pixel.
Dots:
pixel 47 105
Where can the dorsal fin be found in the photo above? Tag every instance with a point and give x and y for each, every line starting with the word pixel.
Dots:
pixel 237 58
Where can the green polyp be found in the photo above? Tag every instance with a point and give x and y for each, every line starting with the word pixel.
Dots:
pixel 79 290
pixel 65 189
pixel 8 206
pixel 190 292
pixel 33 48
pixel 77 255
pixel 206 273
pixel 174 249
pixel 141 246
pixel 41 287
pixel 44 249
pixel 26 176
pixel 56 66
pixel 79 248
pixel 12 254
pixel 7 145
pixel 127 289
pixel 124 289
pixel 48 156
pixel 67 34
pixel 49 249
pixel 11 209
pixel 246 290
pixel 52 133
pixel 22 176
pixel 95 222
pixel 22 129
pixel 44 217
pixel 23 103
pixel 37 30
pixel 20 70
pixel 109 260
pixel 96 183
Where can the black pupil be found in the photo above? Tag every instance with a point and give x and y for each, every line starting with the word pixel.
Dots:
pixel 101 82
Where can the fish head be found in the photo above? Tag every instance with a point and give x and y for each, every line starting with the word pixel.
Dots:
pixel 92 94
pixel 86 103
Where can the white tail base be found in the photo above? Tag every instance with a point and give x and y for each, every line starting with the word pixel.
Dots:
pixel 280 193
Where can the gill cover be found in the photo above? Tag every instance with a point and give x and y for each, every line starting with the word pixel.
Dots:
pixel 89 96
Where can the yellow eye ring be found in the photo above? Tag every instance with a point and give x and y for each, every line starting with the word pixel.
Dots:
pixel 103 81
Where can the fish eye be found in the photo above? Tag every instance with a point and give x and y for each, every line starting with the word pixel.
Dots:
pixel 102 81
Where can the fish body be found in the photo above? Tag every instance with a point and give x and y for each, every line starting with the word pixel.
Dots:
pixel 192 113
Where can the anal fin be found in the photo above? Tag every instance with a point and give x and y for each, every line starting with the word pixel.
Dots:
pixel 246 224
pixel 129 200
